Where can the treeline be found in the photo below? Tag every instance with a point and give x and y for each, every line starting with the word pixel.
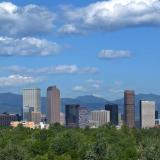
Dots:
pixel 60 143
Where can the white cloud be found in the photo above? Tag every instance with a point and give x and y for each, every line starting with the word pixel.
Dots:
pixel 17 80
pixel 111 54
pixel 24 21
pixel 59 69
pixel 69 29
pixel 27 46
pixel 91 70
pixel 65 69
pixel 79 88
pixel 89 86
pixel 114 14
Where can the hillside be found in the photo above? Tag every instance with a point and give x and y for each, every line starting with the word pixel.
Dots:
pixel 12 103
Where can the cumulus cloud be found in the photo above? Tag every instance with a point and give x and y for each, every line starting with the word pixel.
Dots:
pixel 24 21
pixel 114 14
pixel 59 69
pixel 17 80
pixel 69 29
pixel 27 46
pixel 111 54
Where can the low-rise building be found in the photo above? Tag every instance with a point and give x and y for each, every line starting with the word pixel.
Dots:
pixel 101 117
pixel 24 124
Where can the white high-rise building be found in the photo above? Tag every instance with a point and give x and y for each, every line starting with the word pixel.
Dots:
pixel 147 114
pixel 100 117
pixel 31 101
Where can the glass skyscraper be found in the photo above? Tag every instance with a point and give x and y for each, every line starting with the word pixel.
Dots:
pixel 72 115
pixel 113 108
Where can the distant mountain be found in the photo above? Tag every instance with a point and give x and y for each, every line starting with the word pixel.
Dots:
pixel 12 103
pixel 89 101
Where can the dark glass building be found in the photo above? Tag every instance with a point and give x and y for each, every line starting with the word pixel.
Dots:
pixel 72 115
pixel 6 119
pixel 156 115
pixel 129 108
pixel 113 108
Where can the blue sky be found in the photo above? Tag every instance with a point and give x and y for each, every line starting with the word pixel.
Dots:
pixel 83 47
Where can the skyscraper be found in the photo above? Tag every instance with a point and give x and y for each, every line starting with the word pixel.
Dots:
pixel 31 101
pixel 147 114
pixel 72 115
pixel 113 108
pixel 53 105
pixel 129 108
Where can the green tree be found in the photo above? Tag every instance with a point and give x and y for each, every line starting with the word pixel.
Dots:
pixel 13 152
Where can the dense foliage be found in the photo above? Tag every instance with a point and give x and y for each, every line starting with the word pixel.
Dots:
pixel 59 143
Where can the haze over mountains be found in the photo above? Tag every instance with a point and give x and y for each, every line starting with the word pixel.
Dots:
pixel 12 103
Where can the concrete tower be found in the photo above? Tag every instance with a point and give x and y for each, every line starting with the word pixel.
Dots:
pixel 129 108
pixel 53 105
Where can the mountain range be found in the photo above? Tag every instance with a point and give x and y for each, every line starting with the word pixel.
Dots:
pixel 12 103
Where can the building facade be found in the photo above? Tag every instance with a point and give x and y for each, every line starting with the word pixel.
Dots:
pixel 72 115
pixel 53 105
pixel 36 117
pixel 129 108
pixel 156 114
pixel 113 108
pixel 26 124
pixel 100 117
pixel 147 114
pixel 62 118
pixel 83 117
pixel 6 119
pixel 31 102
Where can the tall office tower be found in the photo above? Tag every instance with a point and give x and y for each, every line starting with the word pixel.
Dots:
pixel 53 105
pixel 72 115
pixel 147 114
pixel 129 108
pixel 101 117
pixel 31 101
pixel 83 117
pixel 113 108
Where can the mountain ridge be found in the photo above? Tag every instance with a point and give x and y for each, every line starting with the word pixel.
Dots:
pixel 12 102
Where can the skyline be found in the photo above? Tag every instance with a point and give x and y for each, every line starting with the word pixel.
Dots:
pixel 100 53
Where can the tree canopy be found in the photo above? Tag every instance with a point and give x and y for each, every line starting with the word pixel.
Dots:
pixel 60 143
